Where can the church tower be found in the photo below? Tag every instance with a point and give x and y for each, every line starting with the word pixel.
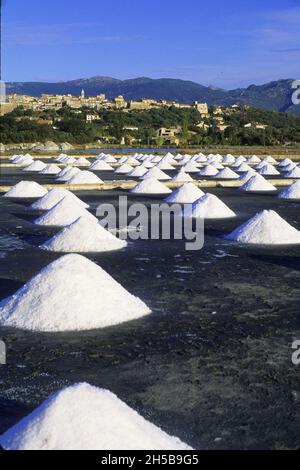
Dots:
pixel 82 95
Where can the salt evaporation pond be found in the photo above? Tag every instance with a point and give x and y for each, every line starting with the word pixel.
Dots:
pixel 37 165
pixel 169 366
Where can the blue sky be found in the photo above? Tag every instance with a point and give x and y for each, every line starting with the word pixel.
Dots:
pixel 224 43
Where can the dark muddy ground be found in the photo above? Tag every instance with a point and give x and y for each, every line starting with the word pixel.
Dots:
pixel 211 364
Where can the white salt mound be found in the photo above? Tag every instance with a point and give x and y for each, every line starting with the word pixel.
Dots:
pixel 289 167
pixel 214 158
pixel 148 164
pixel 26 189
pixel 50 169
pixel 23 160
pixel 138 171
pixel 257 183
pixel 294 173
pixel 60 157
pixel 101 165
pixel 156 159
pixel 67 173
pixel 84 417
pixel 132 160
pixel 82 161
pixel 227 174
pixel 209 206
pixel 63 171
pixel 107 158
pixel 191 167
pixel 83 236
pixel 121 159
pixel 37 165
pixel 260 165
pixel 201 159
pixel 169 158
pixel 291 192
pixel 124 169
pixel 270 159
pixel 53 197
pixel 285 162
pixel 85 177
pixel 68 159
pixel 217 165
pixel 186 194
pixel 157 174
pixel 71 293
pixel 183 177
pixel 254 159
pixel 241 159
pixel 268 169
pixel 14 157
pixel 246 176
pixel 65 212
pixel 150 186
pixel 208 170
pixel 266 228
pixel 164 165
pixel 243 168
pixel 229 159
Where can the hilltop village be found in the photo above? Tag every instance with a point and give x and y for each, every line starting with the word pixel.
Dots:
pixel 95 120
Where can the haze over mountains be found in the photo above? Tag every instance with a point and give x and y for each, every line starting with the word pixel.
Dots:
pixel 274 95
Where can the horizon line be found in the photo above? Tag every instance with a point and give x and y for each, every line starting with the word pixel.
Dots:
pixel 144 77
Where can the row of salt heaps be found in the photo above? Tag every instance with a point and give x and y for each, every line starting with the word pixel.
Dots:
pixel 168 161
pixel 156 166
pixel 126 163
pixel 71 174
pixel 62 210
pixel 253 181
pixel 82 232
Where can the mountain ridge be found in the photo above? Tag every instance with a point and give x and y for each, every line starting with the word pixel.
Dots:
pixel 274 95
